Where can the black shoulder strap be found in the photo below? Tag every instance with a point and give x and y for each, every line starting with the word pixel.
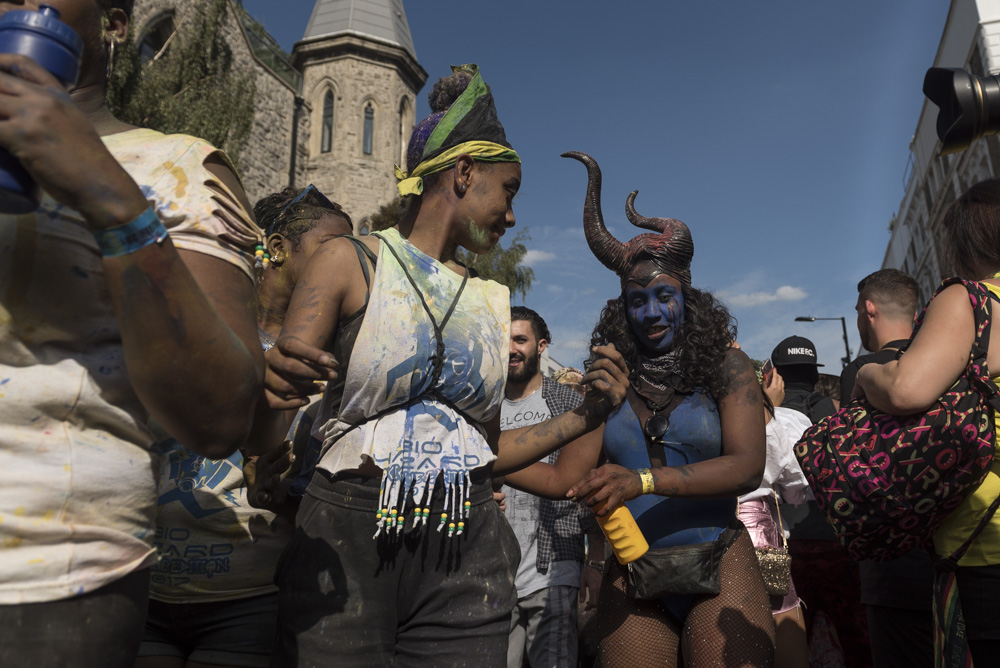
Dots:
pixel 990 389
pixel 362 249
pixel 438 357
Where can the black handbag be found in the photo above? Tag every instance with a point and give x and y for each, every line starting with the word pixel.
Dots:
pixel 684 569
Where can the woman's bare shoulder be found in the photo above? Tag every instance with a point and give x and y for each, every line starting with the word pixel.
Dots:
pixel 952 301
pixel 737 374
pixel 340 249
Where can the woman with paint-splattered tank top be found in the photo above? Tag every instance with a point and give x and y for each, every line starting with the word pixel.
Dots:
pixel 416 563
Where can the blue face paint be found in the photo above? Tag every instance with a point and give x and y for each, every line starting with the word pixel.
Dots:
pixel 655 312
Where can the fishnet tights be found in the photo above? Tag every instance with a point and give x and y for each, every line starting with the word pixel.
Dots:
pixel 733 629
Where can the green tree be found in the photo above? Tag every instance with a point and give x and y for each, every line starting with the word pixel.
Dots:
pixel 190 87
pixel 503 265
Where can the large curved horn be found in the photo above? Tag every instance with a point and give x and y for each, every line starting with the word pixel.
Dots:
pixel 605 247
pixel 654 224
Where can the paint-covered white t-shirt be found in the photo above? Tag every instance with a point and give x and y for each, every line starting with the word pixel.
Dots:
pixel 77 480
pixel 211 543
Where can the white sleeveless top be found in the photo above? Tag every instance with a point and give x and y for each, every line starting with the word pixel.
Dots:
pixel 393 412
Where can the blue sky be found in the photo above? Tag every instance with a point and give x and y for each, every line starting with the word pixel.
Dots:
pixel 778 131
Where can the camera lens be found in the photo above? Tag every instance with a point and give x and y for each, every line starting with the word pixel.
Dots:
pixel 969 106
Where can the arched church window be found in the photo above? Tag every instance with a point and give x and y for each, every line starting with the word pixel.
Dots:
pixel 155 36
pixel 369 128
pixel 326 134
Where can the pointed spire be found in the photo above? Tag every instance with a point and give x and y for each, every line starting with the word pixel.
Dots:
pixel 384 20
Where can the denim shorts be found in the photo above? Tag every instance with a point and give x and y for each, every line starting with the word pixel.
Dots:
pixel 225 633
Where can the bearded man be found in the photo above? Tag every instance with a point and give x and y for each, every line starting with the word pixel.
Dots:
pixel 550 533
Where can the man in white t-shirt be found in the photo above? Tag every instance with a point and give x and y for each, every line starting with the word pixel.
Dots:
pixel 550 533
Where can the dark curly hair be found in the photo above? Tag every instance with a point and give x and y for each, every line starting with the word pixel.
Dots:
pixel 272 218
pixel 447 90
pixel 707 333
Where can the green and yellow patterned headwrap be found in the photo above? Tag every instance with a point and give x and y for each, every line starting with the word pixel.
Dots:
pixel 469 126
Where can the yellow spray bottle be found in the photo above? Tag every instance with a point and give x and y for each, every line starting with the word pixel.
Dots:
pixel 623 533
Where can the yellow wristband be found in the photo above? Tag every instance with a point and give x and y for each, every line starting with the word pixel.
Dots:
pixel 646 476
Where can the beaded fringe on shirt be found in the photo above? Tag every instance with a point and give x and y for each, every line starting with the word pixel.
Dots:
pixel 397 493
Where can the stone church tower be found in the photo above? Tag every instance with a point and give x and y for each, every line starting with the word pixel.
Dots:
pixel 360 78
pixel 337 114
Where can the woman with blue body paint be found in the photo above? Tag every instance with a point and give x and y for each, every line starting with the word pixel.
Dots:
pixel 688 440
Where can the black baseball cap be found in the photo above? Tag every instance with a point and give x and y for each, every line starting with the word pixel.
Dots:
pixel 794 350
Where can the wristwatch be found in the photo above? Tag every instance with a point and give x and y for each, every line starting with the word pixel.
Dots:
pixel 599 565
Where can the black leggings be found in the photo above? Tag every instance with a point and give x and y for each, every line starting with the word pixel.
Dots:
pixel 732 628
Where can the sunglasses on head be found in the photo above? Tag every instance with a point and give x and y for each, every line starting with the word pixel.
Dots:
pixel 319 198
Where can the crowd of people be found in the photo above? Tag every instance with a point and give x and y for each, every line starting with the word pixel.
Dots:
pixel 236 435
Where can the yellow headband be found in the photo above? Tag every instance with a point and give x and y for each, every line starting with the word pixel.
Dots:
pixel 484 151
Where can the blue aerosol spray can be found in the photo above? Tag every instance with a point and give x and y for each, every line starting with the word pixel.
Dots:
pixel 51 43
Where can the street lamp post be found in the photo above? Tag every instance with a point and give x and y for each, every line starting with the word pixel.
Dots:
pixel 843 323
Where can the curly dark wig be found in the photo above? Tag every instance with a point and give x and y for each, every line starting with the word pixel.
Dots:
pixel 707 333
pixel 272 218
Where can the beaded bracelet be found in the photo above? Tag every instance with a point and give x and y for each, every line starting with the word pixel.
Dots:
pixel 144 230
pixel 646 476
